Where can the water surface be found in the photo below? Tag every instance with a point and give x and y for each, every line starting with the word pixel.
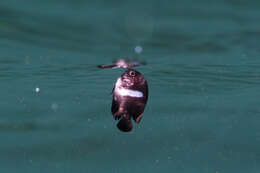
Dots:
pixel 203 72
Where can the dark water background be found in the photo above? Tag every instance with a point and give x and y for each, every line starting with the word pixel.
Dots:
pixel 203 71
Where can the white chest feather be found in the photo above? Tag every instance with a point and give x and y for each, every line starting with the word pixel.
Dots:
pixel 126 92
pixel 129 92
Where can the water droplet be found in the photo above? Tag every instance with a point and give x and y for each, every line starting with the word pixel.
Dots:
pixel 27 61
pixel 37 89
pixel 54 106
pixel 138 49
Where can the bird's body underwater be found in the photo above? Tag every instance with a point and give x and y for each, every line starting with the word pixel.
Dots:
pixel 130 94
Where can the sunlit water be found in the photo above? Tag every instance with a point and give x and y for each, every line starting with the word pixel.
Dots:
pixel 203 70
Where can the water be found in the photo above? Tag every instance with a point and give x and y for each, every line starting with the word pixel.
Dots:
pixel 203 71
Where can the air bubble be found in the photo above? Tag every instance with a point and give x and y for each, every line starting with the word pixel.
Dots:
pixel 37 89
pixel 138 49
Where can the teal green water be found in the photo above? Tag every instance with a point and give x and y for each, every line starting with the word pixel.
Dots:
pixel 203 71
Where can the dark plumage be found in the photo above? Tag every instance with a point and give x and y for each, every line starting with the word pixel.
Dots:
pixel 130 96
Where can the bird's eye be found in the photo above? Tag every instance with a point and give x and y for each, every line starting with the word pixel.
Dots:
pixel 132 73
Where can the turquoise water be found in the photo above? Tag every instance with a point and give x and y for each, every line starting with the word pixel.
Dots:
pixel 203 70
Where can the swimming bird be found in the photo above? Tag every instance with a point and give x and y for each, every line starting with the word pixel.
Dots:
pixel 130 95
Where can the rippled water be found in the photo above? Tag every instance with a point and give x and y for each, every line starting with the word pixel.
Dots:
pixel 203 72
